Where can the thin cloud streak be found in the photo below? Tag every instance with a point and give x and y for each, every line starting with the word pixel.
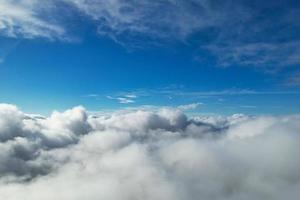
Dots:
pixel 228 92
pixel 126 99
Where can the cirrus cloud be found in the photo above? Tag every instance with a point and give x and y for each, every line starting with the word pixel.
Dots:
pixel 23 19
pixel 219 28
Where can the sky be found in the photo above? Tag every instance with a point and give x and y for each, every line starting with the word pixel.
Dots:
pixel 213 56
pixel 149 99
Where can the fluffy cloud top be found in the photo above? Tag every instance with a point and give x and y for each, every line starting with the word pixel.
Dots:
pixel 147 155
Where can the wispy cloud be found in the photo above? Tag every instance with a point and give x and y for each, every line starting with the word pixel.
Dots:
pixel 239 92
pixel 122 97
pixel 268 56
pixel 191 106
pixel 266 44
pixel 270 44
pixel 91 95
pixel 131 96
pixel 226 92
pixel 154 19
pixel 126 99
pixel 175 93
pixel 23 19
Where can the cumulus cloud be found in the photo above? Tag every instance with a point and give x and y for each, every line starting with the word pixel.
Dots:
pixel 147 155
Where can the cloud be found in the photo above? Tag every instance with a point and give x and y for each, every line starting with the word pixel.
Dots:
pixel 216 93
pixel 23 138
pixel 126 99
pixel 269 56
pixel 118 18
pixel 224 25
pixel 191 106
pixel 91 95
pixel 221 28
pixel 159 154
pixel 132 96
pixel 23 19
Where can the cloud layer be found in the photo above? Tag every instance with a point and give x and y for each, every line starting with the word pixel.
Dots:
pixel 147 155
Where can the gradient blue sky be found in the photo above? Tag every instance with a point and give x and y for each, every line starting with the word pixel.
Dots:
pixel 226 57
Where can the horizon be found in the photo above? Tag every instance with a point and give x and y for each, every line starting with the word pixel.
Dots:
pixel 149 99
pixel 67 53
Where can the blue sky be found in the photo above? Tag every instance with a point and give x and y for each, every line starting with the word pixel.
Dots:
pixel 225 57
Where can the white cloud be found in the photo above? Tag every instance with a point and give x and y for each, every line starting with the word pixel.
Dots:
pixel 126 99
pixel 23 19
pixel 147 155
pixel 91 95
pixel 178 19
pixel 191 106
pixel 132 96
pixel 224 26
pixel 224 23
pixel 114 18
